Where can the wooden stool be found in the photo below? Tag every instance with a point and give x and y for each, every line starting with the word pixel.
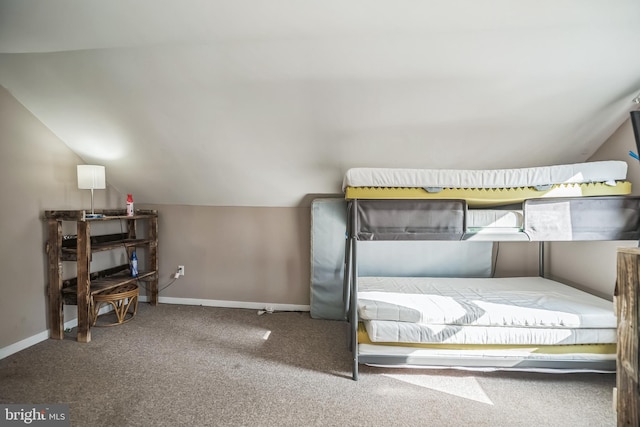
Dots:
pixel 121 298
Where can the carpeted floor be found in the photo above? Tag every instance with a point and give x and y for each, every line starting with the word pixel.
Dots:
pixel 176 365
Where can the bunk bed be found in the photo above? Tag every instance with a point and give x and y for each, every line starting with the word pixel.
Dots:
pixel 524 323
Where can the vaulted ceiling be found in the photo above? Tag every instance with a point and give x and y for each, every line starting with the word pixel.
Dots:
pixel 261 103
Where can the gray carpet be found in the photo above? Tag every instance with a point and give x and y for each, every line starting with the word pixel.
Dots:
pixel 178 365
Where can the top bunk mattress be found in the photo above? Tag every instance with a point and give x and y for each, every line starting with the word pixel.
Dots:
pixel 495 186
pixel 508 301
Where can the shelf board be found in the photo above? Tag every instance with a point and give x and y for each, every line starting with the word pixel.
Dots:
pixel 70 253
pixel 102 284
pixel 109 214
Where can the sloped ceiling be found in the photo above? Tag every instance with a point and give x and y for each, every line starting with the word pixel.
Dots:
pixel 261 103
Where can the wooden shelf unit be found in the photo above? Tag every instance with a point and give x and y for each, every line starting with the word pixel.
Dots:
pixel 79 249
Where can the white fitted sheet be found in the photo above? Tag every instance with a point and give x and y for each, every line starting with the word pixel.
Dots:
pixel 405 332
pixel 601 171
pixel 509 301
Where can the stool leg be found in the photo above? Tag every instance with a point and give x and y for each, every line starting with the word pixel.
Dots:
pixel 135 305
pixel 95 308
pixel 118 306
pixel 132 300
pixel 125 307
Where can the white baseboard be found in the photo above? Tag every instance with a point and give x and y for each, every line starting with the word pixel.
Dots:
pixel 44 335
pixel 230 304
pixel 25 343
pixel 41 336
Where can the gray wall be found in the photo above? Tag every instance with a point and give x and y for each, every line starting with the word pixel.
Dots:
pixel 255 255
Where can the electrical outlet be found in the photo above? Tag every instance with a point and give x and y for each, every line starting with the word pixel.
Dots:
pixel 181 270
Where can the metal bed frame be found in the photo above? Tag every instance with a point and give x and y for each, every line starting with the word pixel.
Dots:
pixel 589 218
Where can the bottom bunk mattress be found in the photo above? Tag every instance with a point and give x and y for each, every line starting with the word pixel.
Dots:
pixel 520 323
pixel 543 358
pixel 506 302
pixel 419 333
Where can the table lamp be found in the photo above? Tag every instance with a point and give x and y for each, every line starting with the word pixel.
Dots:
pixel 91 177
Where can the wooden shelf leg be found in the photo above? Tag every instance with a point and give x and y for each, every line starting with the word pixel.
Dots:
pixel 83 293
pixel 54 242
pixel 153 260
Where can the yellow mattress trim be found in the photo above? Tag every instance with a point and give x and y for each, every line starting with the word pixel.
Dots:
pixel 363 338
pixel 485 197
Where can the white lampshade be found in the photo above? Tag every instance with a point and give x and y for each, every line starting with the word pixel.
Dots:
pixel 91 177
